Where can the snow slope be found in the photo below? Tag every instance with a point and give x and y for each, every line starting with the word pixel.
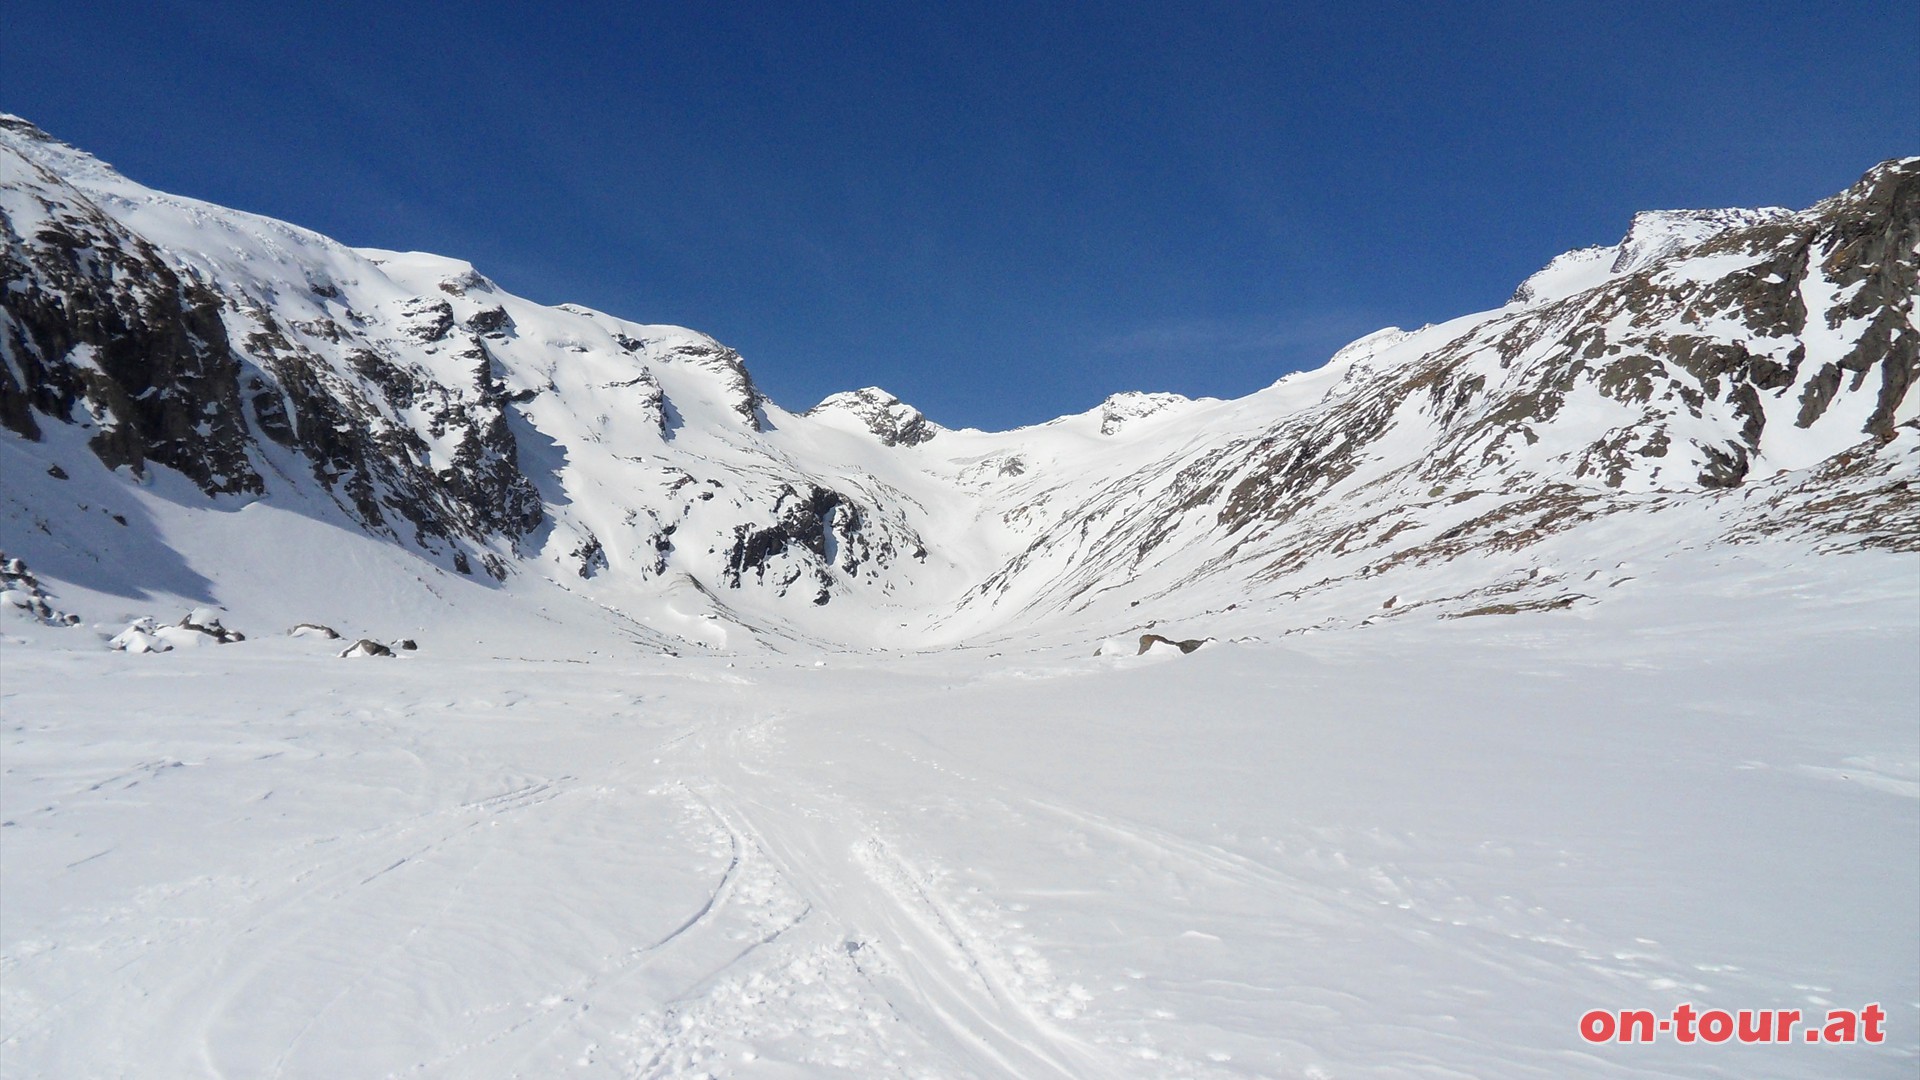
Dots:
pixel 1417 848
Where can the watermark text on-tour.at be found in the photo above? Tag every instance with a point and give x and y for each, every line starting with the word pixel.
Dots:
pixel 1687 1024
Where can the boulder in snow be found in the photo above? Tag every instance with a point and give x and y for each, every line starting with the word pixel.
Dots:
pixel 140 636
pixel 367 647
pixel 1148 641
pixel 20 592
pixel 206 621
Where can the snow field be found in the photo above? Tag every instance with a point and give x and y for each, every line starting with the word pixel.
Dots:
pixel 1418 848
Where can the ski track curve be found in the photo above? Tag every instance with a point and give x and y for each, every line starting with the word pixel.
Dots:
pixel 882 926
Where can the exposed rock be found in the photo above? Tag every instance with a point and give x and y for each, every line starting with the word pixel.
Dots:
pixel 804 522
pixel 652 400
pixel 1618 340
pixel 892 421
pixel 812 534
pixel 427 319
pixel 20 590
pixel 468 280
pixel 1148 641
pixel 206 621
pixel 736 382
pixel 1552 603
pixel 590 556
pixel 110 332
pixel 307 629
pixel 1121 409
pixel 493 320
pixel 366 647
pixel 113 334
pixel 200 628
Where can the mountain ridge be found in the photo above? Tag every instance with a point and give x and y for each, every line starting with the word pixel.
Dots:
pixel 409 399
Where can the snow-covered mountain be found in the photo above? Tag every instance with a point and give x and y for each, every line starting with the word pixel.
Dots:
pixel 731 741
pixel 205 406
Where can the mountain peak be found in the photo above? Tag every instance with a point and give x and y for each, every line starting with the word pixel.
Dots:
pixel 24 128
pixel 1652 235
pixel 1124 408
pixel 1656 234
pixel 31 142
pixel 892 421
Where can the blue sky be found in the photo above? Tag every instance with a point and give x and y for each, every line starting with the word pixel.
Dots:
pixel 1001 212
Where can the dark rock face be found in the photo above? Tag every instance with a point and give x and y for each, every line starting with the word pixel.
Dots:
pixel 804 521
pixel 828 527
pixel 491 321
pixel 119 337
pixel 427 319
pixel 110 335
pixel 1868 251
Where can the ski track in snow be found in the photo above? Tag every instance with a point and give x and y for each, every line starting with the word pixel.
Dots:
pixel 1413 850
pixel 958 977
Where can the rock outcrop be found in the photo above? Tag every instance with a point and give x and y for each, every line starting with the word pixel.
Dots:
pixel 892 421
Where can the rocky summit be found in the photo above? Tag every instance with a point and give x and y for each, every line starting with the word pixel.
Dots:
pixel 204 405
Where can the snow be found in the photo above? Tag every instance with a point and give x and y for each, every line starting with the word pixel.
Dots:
pixel 1567 275
pixel 1421 847
pixel 1657 234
